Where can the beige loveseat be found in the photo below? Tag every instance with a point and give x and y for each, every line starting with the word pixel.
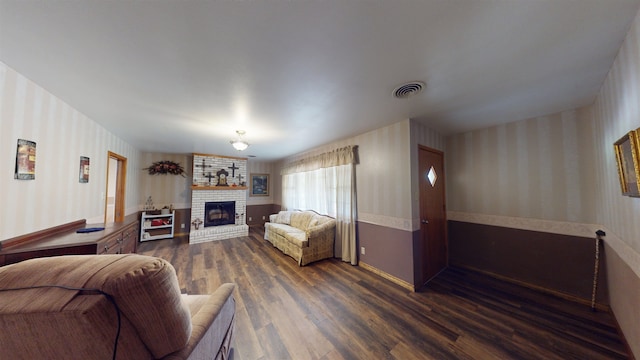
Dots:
pixel 43 315
pixel 304 235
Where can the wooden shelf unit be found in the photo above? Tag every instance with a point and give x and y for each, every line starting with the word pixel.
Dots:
pixel 155 232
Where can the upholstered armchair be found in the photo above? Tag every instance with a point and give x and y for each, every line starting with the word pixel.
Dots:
pixel 109 306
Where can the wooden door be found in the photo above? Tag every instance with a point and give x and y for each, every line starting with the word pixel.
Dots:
pixel 433 220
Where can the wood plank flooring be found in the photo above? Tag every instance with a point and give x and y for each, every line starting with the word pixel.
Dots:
pixel 332 310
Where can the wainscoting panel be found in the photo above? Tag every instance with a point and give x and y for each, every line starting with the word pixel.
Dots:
pixel 387 249
pixel 256 212
pixel 555 262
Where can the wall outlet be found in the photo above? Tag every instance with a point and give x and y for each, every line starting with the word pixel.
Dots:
pixel 362 250
pixel 249 218
pixel 263 218
pixel 181 226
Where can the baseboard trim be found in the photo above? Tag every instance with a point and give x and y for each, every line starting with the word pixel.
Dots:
pixel 565 296
pixel 387 276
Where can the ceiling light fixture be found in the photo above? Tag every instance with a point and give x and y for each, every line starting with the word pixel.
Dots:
pixel 238 143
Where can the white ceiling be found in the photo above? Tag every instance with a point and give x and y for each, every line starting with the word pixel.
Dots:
pixel 182 76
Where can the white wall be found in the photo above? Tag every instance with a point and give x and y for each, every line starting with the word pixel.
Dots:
pixel 62 135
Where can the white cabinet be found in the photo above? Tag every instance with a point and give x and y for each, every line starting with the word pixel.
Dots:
pixel 153 227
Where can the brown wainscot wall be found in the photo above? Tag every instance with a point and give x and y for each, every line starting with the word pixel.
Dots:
pixel 556 263
pixel 257 212
pixel 388 252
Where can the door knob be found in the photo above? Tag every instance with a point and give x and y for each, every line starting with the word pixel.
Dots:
pixel 424 221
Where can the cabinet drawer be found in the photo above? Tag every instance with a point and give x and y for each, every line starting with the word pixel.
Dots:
pixel 111 245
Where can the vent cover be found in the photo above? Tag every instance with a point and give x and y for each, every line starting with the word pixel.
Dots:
pixel 408 90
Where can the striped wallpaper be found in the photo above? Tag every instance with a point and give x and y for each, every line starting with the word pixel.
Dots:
pixel 165 190
pixel 387 173
pixel 558 168
pixel 538 168
pixel 616 112
pixel 62 135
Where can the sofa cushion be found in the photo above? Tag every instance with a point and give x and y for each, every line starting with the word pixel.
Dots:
pixel 283 217
pixel 297 236
pixel 301 219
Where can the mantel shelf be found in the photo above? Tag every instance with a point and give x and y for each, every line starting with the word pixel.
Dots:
pixel 195 187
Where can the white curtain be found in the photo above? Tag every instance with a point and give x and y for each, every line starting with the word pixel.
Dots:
pixel 326 183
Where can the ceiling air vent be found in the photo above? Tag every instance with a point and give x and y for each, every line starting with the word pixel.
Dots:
pixel 408 90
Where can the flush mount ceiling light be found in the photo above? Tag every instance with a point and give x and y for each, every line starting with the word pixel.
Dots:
pixel 408 90
pixel 238 143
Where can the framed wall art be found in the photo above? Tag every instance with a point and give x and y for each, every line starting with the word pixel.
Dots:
pixel 84 170
pixel 259 185
pixel 25 160
pixel 628 159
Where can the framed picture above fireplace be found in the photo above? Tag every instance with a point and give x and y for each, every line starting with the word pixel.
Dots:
pixel 259 185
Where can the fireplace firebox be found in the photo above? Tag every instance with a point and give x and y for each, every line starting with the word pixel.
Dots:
pixel 219 213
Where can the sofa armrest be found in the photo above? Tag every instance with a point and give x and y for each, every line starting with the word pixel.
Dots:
pixel 272 218
pixel 213 324
pixel 323 230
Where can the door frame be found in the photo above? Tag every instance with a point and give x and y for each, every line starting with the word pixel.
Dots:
pixel 121 180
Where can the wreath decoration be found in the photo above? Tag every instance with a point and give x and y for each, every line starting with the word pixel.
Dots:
pixel 165 167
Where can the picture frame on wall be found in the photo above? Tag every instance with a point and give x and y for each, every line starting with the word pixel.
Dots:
pixel 84 170
pixel 259 185
pixel 25 160
pixel 628 159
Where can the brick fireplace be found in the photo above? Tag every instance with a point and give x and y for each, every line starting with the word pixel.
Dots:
pixel 218 182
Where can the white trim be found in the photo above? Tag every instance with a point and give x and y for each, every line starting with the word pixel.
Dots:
pixel 386 221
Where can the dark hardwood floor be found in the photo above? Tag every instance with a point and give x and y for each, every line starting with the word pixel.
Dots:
pixel 332 310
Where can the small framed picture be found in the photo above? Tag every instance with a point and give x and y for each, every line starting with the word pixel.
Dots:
pixel 628 159
pixel 84 169
pixel 259 185
pixel 25 160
